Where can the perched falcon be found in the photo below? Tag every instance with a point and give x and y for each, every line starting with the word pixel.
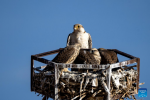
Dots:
pixel 108 57
pixel 67 55
pixel 79 35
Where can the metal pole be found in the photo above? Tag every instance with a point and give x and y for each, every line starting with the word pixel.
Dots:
pixel 138 76
pixel 56 81
pixel 109 70
pixel 32 72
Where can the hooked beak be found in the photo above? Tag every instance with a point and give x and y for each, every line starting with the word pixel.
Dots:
pixel 76 27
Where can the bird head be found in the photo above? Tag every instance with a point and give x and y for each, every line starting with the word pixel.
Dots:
pixel 95 52
pixel 78 28
pixel 102 49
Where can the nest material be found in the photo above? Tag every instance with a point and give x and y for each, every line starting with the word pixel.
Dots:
pixel 87 86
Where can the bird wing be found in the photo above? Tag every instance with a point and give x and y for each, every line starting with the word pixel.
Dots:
pixel 113 56
pixel 68 55
pixel 106 58
pixel 85 57
pixel 90 42
pixel 68 40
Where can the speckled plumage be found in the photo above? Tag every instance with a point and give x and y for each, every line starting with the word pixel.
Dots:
pixel 85 57
pixel 108 57
pixel 67 55
pixel 96 55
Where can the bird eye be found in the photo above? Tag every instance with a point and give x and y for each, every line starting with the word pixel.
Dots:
pixel 78 26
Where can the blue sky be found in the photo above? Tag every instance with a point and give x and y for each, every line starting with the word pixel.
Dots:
pixel 29 27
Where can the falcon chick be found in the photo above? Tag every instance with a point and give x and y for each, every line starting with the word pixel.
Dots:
pixel 79 35
pixel 107 57
pixel 85 57
pixel 96 55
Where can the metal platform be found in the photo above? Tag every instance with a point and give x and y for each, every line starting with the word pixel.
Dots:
pixel 108 67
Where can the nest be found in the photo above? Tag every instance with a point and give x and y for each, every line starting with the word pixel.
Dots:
pixel 76 85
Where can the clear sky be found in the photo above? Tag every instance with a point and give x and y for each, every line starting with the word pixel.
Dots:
pixel 29 27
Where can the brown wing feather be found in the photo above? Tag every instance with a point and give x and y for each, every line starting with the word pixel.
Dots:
pixel 105 57
pixel 108 57
pixel 67 55
pixel 113 56
pixel 90 42
pixel 68 40
pixel 85 57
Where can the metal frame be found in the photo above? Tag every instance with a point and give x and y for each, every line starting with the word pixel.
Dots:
pixel 109 67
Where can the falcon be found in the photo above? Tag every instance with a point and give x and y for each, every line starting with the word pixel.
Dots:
pixel 96 55
pixel 67 56
pixel 79 35
pixel 107 57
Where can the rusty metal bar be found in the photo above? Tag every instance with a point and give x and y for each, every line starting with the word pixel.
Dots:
pixel 48 53
pixel 51 52
pixel 32 72
pixel 37 69
pixel 41 59
pixel 138 70
pixel 58 50
pixel 122 53
pixel 125 67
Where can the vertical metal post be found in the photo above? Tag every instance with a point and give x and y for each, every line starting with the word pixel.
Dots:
pixel 138 76
pixel 32 72
pixel 109 70
pixel 56 81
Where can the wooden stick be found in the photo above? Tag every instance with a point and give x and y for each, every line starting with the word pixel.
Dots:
pixel 96 93
pixel 77 96
pixel 82 97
